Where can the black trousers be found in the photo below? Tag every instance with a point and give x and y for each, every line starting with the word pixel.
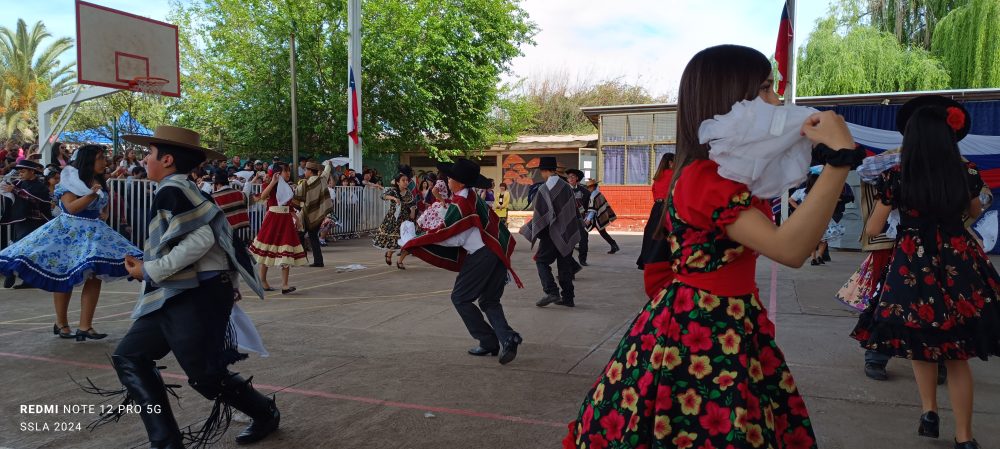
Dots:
pixel 565 265
pixel 482 277
pixel 317 250
pixel 584 244
pixel 193 325
pixel 607 238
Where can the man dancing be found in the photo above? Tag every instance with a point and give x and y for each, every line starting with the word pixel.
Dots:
pixel 582 196
pixel 190 263
pixel 314 198
pixel 478 247
pixel 555 224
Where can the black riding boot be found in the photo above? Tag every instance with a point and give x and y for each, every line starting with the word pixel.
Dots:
pixel 239 394
pixel 142 380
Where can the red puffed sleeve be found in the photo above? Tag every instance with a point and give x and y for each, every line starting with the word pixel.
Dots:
pixel 705 200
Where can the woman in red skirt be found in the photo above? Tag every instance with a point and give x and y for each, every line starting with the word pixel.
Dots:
pixel 277 243
pixel 699 367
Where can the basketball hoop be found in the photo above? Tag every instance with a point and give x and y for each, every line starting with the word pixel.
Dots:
pixel 148 85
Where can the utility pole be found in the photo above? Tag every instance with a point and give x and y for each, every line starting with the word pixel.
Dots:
pixel 354 68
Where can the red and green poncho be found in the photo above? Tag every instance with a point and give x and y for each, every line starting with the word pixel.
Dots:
pixel 465 213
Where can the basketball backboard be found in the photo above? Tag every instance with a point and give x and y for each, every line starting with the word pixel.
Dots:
pixel 114 48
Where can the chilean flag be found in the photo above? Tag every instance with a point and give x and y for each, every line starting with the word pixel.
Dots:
pixel 781 48
pixel 352 118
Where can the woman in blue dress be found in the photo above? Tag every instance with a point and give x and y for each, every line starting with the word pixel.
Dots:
pixel 77 247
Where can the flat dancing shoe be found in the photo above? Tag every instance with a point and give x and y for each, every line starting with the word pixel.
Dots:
pixel 57 330
pixel 814 262
pixel 875 371
pixel 971 444
pixel 548 299
pixel 269 289
pixel 388 258
pixel 8 282
pixel 508 349
pixel 583 262
pixel 614 249
pixel 400 265
pixel 89 334
pixel 565 303
pixel 942 374
pixel 929 423
pixel 288 290
pixel 826 257
pixel 481 351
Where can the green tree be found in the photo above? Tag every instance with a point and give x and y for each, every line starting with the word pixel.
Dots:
pixel 912 21
pixel 29 73
pixel 431 70
pixel 968 42
pixel 861 59
pixel 557 101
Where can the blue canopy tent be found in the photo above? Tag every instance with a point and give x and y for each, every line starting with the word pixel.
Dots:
pixel 100 134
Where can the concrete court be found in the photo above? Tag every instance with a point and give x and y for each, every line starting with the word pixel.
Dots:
pixel 376 359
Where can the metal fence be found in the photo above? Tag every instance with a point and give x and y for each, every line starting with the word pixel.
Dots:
pixel 356 211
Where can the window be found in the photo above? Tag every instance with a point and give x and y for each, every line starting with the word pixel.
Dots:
pixel 613 164
pixel 631 145
pixel 638 164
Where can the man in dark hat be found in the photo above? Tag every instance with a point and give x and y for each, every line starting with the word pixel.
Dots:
pixel 600 214
pixel 555 224
pixel 188 271
pixel 478 247
pixel 27 205
pixel 582 196
pixel 312 195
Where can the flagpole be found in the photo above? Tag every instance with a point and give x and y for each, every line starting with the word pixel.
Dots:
pixel 295 116
pixel 790 86
pixel 354 66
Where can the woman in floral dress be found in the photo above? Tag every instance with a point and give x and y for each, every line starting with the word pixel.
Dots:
pixel 76 247
pixel 938 298
pixel 402 207
pixel 699 367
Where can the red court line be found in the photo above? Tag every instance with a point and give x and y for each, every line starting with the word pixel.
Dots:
pixel 321 394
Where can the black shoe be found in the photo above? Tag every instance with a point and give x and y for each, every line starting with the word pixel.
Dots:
pixel 614 249
pixel 929 423
pixel 942 374
pixel 58 330
pixel 481 351
pixel 971 444
pixel 583 262
pixel 508 349
pixel 89 334
pixel 8 282
pixel 287 291
pixel 145 386
pixel 875 371
pixel 814 262
pixel 826 257
pixel 261 409
pixel 565 303
pixel 316 265
pixel 548 299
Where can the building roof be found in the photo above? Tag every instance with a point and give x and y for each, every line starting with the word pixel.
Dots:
pixel 549 142
pixel 593 113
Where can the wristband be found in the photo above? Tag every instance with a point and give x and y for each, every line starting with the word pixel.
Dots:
pixel 842 158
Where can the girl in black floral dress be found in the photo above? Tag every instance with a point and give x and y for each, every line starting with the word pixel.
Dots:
pixel 938 299
pixel 699 367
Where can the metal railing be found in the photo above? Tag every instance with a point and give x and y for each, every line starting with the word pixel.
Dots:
pixel 356 211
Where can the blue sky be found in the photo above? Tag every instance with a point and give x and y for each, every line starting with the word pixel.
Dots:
pixel 646 42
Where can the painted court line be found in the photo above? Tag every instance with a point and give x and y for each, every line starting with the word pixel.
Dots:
pixel 321 394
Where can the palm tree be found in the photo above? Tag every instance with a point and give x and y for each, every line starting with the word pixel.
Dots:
pixel 29 74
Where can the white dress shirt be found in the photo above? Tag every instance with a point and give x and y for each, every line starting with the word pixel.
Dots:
pixel 469 239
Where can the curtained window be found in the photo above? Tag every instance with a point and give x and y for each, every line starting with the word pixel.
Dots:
pixel 613 164
pixel 638 164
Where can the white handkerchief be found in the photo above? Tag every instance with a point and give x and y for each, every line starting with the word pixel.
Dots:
pixel 247 337
pixel 284 191
pixel 759 144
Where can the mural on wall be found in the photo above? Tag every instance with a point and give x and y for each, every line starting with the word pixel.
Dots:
pixel 520 172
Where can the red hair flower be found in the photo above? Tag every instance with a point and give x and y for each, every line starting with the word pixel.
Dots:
pixel 956 118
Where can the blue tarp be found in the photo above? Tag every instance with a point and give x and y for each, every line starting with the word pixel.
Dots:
pixel 95 135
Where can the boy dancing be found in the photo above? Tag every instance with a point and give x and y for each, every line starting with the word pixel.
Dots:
pixel 555 224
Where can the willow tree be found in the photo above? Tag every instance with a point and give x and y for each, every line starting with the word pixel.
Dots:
pixel 913 22
pixel 862 59
pixel 968 42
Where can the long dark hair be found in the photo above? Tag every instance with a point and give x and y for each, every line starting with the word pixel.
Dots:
pixel 665 161
pixel 933 174
pixel 714 79
pixel 86 156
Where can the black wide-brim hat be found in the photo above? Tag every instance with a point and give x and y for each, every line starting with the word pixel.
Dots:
pixel 573 171
pixel 178 137
pixel 29 165
pixel 548 163
pixel 465 172
pixel 906 111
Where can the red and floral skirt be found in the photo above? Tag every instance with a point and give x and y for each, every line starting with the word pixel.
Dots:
pixel 858 291
pixel 278 242
pixel 695 371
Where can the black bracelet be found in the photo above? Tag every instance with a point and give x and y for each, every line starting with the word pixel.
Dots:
pixel 839 158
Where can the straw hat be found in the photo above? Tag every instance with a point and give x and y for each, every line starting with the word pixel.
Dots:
pixel 178 137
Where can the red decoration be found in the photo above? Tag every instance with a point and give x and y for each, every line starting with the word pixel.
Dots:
pixel 956 118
